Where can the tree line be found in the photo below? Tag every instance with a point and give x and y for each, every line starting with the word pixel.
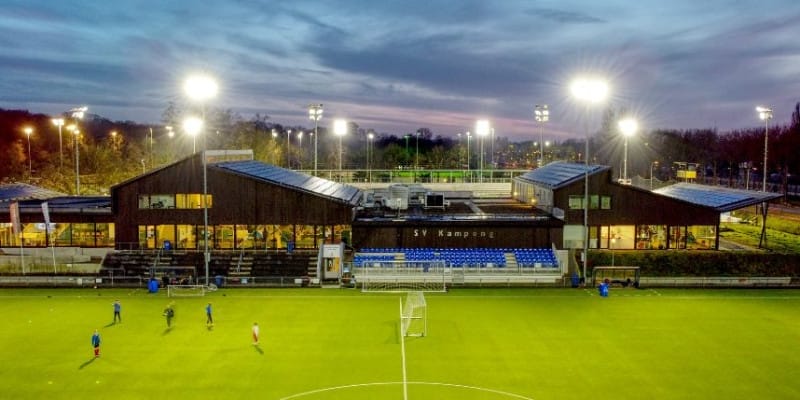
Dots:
pixel 110 152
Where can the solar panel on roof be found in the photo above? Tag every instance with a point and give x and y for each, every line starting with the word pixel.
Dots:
pixel 557 174
pixel 297 180
pixel 721 198
pixel 24 191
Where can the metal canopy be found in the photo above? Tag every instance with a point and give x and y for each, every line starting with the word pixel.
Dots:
pixel 720 198
pixel 293 179
pixel 559 174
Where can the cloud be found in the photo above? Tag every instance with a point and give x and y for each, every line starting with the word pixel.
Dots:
pixel 564 16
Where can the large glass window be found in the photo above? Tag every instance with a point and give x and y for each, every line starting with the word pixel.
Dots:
pixel 83 235
pixel 651 237
pixel 279 236
pixel 147 236
pixel 105 235
pixel 701 237
pixel 183 200
pixel 677 237
pixel 305 236
pixel 165 233
pixel 187 237
pixel 224 237
pixel 622 237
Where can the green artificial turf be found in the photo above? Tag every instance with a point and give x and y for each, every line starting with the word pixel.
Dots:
pixel 341 344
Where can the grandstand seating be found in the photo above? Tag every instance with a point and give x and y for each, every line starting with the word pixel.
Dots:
pixel 461 257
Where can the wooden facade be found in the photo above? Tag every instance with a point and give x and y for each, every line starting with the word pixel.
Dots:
pixel 631 205
pixel 236 199
pixel 456 234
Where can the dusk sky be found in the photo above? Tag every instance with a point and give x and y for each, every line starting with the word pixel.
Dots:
pixel 395 66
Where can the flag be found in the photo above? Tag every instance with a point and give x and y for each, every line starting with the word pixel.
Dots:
pixel 46 212
pixel 13 209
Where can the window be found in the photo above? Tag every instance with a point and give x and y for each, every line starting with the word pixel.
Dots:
pixel 605 202
pixel 184 200
pixel 594 202
pixel 156 201
pixel 677 237
pixel 576 202
pixel 187 237
pixel 701 237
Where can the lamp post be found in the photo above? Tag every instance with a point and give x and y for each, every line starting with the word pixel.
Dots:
pixel 59 122
pixel 200 88
pixel 75 133
pixel 651 173
pixel 28 131
pixel 542 114
pixel 628 127
pixel 416 157
pixel 315 114
pixel 288 144
pixel 192 126
pixel 469 136
pixel 340 129
pixel 589 91
pixel 491 141
pixel 482 129
pixel 370 137
pixel 77 113
pixel 299 149
pixel 765 114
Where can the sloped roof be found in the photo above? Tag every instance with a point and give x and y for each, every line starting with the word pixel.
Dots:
pixel 720 198
pixel 559 174
pixel 293 180
pixel 23 191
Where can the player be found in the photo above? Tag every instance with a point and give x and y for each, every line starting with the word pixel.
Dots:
pixel 255 333
pixel 169 312
pixel 96 343
pixel 117 310
pixel 209 320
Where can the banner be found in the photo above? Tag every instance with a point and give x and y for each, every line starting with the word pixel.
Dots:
pixel 46 212
pixel 13 209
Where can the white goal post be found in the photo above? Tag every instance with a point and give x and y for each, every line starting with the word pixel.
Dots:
pixel 394 276
pixel 414 315
pixel 186 290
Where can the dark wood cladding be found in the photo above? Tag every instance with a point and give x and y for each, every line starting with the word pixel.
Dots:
pixel 237 199
pixel 448 235
pixel 632 206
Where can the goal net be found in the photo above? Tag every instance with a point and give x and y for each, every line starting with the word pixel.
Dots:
pixel 414 315
pixel 616 276
pixel 420 276
pixel 186 290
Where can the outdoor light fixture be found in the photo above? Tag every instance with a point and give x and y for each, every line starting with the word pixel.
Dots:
pixel 589 91
pixel 628 127
pixel 482 129
pixel 315 114
pixel 765 114
pixel 201 88
pixel 340 129
pixel 59 122
pixel 542 114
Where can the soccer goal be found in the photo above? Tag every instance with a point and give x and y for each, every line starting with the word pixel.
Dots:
pixel 414 315
pixel 419 276
pixel 186 290
pixel 616 276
